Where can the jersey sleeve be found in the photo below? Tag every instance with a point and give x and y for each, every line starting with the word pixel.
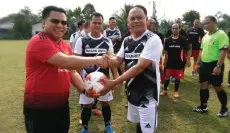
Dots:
pixel 78 46
pixel 110 50
pixel 42 50
pixel 121 52
pixel 153 49
pixel 71 38
pixel 104 33
pixel 223 41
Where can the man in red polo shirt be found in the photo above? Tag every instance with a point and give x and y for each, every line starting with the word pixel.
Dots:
pixel 50 68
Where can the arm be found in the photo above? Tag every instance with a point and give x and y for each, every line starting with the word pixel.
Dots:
pixel 77 81
pixel 111 53
pixel 223 46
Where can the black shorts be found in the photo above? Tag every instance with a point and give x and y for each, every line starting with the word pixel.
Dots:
pixel 47 121
pixel 205 73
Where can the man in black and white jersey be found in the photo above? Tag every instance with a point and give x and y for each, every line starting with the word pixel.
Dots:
pixel 80 26
pixel 141 53
pixel 113 33
pixel 95 44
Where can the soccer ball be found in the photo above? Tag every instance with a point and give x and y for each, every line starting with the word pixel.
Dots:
pixel 94 83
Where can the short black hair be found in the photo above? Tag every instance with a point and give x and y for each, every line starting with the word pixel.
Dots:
pixel 142 7
pixel 80 23
pixel 212 18
pixel 111 18
pixel 86 24
pixel 97 14
pixel 46 11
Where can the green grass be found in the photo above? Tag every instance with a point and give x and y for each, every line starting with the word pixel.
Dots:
pixel 175 115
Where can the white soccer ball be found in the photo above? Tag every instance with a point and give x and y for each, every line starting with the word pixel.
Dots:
pixel 94 83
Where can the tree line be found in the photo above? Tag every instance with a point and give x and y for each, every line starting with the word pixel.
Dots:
pixel 24 19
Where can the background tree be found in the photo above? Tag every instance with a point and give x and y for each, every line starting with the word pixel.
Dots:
pixel 165 25
pixel 224 22
pixel 88 10
pixel 121 17
pixel 190 16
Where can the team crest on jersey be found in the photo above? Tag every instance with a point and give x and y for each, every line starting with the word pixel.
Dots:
pixel 211 41
pixel 131 56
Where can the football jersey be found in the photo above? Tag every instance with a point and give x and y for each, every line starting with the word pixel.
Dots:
pixel 90 47
pixel 176 49
pixel 113 34
pixel 195 36
pixel 144 87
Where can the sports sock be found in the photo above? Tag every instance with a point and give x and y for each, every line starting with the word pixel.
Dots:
pixel 204 95
pixel 85 117
pixel 166 84
pixel 177 84
pixel 222 96
pixel 138 128
pixel 106 112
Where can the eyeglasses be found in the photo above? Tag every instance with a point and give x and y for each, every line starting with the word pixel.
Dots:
pixel 56 21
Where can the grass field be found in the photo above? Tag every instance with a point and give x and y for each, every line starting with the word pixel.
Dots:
pixel 175 115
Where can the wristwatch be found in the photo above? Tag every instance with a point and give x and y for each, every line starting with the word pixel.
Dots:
pixel 218 65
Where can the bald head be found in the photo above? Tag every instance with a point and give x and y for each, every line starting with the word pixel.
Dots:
pixel 137 20
pixel 151 24
pixel 175 29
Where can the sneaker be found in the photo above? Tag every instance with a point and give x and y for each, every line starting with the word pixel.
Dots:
pixel 200 110
pixel 109 129
pixel 84 131
pixel 175 94
pixel 163 93
pixel 97 112
pixel 223 112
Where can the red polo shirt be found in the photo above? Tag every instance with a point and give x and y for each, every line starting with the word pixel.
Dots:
pixel 47 86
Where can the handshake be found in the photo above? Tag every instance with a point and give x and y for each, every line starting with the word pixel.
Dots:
pixel 104 61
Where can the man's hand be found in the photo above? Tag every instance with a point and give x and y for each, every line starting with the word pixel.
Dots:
pixel 108 60
pixel 216 71
pixel 108 85
pixel 101 62
pixel 196 69
pixel 188 63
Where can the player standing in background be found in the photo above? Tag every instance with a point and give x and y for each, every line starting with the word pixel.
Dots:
pixel 80 26
pixel 175 46
pixel 195 34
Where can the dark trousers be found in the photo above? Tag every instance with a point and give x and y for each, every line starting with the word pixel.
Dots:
pixel 47 121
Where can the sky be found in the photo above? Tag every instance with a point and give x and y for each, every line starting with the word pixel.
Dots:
pixel 169 9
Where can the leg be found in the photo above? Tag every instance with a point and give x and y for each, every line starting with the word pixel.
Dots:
pixel 204 77
pixel 106 111
pixel 168 74
pixel 63 120
pixel 87 103
pixel 39 121
pixel 216 81
pixel 138 128
pixel 148 117
pixel 85 115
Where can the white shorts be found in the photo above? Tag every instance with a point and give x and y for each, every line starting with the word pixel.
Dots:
pixel 145 114
pixel 88 100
